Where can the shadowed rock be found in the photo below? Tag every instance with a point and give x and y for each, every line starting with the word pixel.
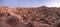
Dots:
pixel 56 24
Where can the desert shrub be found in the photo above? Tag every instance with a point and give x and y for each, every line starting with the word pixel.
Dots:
pixel 12 20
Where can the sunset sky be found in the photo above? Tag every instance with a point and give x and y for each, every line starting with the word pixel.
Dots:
pixel 30 3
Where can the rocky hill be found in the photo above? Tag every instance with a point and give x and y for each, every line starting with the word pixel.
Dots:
pixel 30 17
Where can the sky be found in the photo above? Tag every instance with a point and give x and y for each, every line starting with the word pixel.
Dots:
pixel 30 3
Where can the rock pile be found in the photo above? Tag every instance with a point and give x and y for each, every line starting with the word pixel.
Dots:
pixel 30 17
